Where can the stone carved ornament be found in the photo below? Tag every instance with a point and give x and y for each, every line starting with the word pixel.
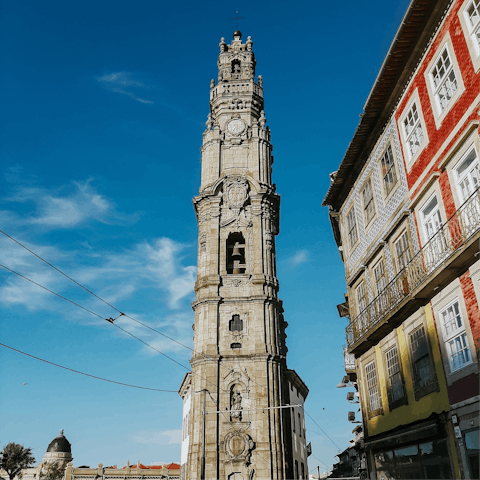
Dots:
pixel 238 447
pixel 237 282
pixel 235 194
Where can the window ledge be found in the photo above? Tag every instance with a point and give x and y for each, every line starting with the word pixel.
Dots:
pixel 375 413
pixel 422 392
pixel 398 403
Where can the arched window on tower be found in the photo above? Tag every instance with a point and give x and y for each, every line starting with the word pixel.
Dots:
pixel 236 66
pixel 236 254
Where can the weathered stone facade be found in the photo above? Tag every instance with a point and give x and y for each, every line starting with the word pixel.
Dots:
pixel 235 428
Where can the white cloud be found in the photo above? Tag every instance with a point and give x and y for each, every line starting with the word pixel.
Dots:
pixel 141 280
pixel 167 437
pixel 154 270
pixel 122 82
pixel 298 258
pixel 79 205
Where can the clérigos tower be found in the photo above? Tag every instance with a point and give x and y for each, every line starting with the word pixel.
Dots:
pixel 239 377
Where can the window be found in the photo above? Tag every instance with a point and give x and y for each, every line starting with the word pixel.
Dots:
pixel 443 80
pixel 352 227
pixel 468 174
pixel 361 298
pixel 372 387
pixel 293 420
pixel 388 171
pixel 412 129
pixel 423 375
pixel 368 202
pixel 235 324
pixel 380 276
pixel 455 337
pixel 432 221
pixel 396 391
pixel 472 450
pixel 299 426
pixel 437 248
pixel 302 470
pixel 403 251
pixel 236 254
pixel 472 16
pixel 424 460
pixel 296 468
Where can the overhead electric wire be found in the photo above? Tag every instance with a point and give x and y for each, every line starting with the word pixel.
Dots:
pixel 89 291
pixel 320 461
pixel 86 374
pixel 48 290
pixel 312 419
pixel 111 322
pixel 131 318
pixel 106 303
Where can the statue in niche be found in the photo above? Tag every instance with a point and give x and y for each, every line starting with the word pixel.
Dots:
pixel 236 403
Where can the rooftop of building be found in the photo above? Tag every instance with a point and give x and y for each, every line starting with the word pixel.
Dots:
pixel 420 22
pixel 59 444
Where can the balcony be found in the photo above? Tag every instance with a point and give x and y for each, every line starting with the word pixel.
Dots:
pixel 447 255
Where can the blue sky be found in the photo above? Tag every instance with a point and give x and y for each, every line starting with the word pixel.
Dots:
pixel 104 105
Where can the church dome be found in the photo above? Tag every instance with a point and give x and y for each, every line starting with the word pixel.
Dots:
pixel 59 444
pixel 237 33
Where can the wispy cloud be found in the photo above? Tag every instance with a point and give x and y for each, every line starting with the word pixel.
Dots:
pixel 167 437
pixel 80 204
pixel 298 258
pixel 148 280
pixel 154 269
pixel 124 83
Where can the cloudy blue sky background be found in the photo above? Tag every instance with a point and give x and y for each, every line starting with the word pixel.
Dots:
pixel 103 109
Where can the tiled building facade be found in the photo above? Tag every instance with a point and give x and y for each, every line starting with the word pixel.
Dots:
pixel 411 175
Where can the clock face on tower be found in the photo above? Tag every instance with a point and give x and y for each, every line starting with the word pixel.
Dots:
pixel 236 126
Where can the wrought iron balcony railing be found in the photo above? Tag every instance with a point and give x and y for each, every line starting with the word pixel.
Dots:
pixel 449 238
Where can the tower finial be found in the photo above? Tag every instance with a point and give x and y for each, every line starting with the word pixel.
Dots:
pixel 237 32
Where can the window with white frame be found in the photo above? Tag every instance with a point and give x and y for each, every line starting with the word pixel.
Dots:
pixel 455 337
pixel 361 298
pixel 388 170
pixel 352 227
pixel 394 373
pixel 437 247
pixel 368 202
pixel 468 173
pixel 403 251
pixel 413 132
pixel 380 276
pixel 431 219
pixel 472 17
pixel 444 82
pixel 372 387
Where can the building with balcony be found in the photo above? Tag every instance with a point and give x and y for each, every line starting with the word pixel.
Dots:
pixel 404 206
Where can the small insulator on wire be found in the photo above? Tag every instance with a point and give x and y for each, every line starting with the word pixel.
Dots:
pixel 111 320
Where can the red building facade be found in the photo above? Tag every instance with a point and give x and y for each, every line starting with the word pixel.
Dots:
pixel 438 123
pixel 405 212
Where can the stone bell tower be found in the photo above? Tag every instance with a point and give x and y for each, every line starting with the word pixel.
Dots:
pixel 239 373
